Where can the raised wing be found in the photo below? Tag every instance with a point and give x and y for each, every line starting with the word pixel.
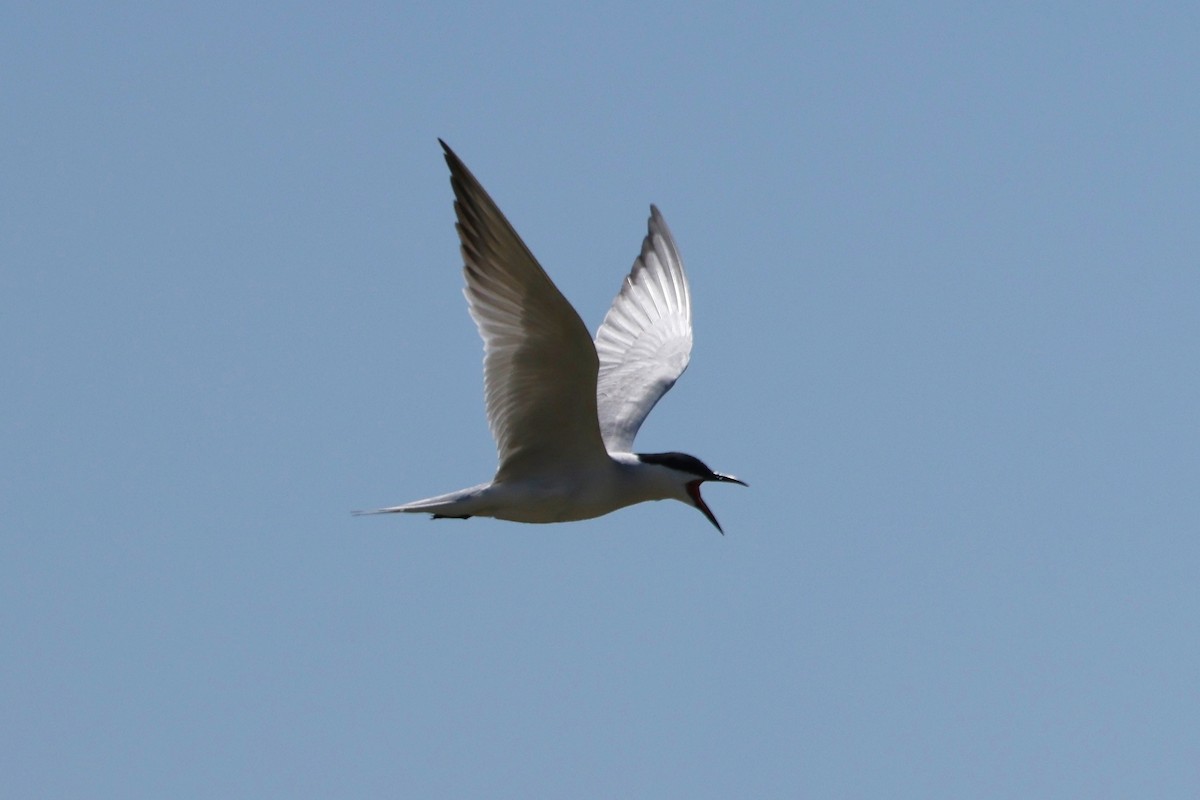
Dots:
pixel 645 340
pixel 539 364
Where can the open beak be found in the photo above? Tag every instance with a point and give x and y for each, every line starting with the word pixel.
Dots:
pixel 716 476
pixel 693 490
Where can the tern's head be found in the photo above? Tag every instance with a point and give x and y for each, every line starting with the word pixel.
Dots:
pixel 691 472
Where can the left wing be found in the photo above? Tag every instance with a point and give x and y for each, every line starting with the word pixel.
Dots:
pixel 539 365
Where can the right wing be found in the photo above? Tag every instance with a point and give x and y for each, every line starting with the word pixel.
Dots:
pixel 645 341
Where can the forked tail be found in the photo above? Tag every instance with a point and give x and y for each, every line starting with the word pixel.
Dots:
pixel 455 505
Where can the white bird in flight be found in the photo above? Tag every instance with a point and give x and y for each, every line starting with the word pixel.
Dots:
pixel 564 411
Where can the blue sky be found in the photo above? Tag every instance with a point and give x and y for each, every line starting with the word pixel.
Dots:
pixel 946 273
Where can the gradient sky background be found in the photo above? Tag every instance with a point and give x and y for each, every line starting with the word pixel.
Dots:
pixel 946 273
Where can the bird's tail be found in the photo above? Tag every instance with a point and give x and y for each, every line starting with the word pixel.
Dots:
pixel 461 504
